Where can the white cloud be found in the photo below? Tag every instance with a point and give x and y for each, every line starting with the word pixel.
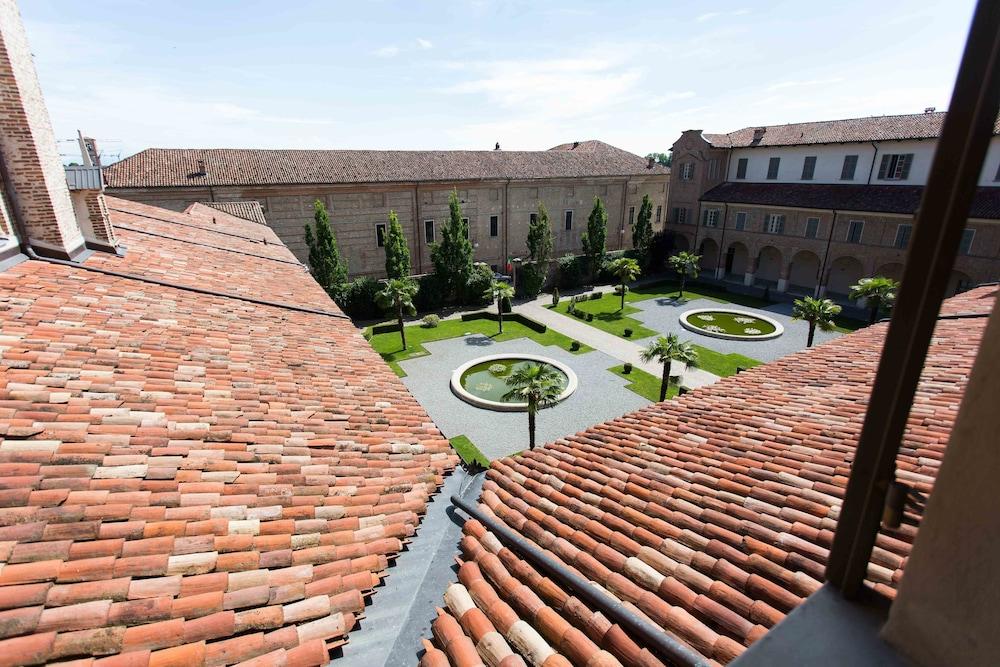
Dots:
pixel 424 43
pixel 660 100
pixel 801 84
pixel 387 52
pixel 708 16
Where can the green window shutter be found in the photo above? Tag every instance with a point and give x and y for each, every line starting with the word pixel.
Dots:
pixel 884 167
pixel 907 160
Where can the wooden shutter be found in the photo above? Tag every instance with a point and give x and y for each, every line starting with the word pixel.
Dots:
pixel 883 167
pixel 905 171
pixel 781 224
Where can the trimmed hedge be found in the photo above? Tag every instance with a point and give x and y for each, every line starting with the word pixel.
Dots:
pixel 384 328
pixel 512 317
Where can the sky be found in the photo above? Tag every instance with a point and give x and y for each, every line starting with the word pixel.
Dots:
pixel 465 74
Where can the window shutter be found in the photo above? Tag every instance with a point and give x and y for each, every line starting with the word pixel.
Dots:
pixel 883 167
pixel 905 172
pixel 781 224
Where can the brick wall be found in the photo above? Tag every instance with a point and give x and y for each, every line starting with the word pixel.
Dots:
pixel 28 146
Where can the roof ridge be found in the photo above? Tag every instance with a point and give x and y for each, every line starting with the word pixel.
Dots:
pixel 833 120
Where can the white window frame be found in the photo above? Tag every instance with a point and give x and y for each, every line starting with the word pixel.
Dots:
pixel 433 236
pixel 899 231
pixel 894 171
pixel 741 225
pixel 687 171
pixel 861 234
pixel 568 216
pixel 681 215
pixel 808 220
pixel 775 223
pixel 385 230
pixel 711 217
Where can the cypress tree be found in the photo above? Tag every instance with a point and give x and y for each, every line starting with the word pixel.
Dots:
pixel 642 231
pixel 540 238
pixel 397 252
pixel 452 257
pixel 596 236
pixel 327 267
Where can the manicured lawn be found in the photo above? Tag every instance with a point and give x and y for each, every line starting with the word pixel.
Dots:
pixel 669 290
pixel 388 344
pixel 468 451
pixel 720 364
pixel 643 383
pixel 607 315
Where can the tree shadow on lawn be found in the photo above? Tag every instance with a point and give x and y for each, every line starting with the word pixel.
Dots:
pixel 671 301
pixel 610 317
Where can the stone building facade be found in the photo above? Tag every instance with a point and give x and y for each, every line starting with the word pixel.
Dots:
pixel 499 190
pixel 811 208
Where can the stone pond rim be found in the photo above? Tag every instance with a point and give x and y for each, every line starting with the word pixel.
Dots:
pixel 778 327
pixel 472 399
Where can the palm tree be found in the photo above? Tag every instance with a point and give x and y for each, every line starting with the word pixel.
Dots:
pixel 667 349
pixel 817 312
pixel 397 296
pixel 538 385
pixel 685 264
pixel 626 270
pixel 498 292
pixel 878 292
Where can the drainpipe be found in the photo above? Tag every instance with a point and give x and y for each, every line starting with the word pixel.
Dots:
pixel 826 255
pixel 722 239
pixel 653 636
pixel 418 223
pixel 621 228
pixel 871 169
pixel 506 225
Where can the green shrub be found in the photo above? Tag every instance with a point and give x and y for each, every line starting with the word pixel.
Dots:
pixel 505 305
pixel 478 286
pixel 571 271
pixel 574 346
pixel 555 297
pixel 627 368
pixel 628 333
pixel 358 299
pixel 594 296
pixel 590 317
pixel 432 293
pixel 431 321
pixel 530 280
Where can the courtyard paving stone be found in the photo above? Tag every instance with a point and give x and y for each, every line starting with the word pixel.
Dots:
pixel 600 396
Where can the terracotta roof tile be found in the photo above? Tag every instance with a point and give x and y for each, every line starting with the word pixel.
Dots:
pixel 191 477
pixel 166 167
pixel 711 514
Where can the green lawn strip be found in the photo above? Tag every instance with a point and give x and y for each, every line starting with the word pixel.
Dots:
pixel 468 451
pixel 645 384
pixel 669 290
pixel 720 364
pixel 608 317
pixel 727 322
pixel 388 344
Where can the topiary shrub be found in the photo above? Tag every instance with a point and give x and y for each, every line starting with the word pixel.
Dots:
pixel 555 297
pixel 531 279
pixel 628 333
pixel 594 296
pixel 432 293
pixel 431 321
pixel 571 271
pixel 627 368
pixel 590 317
pixel 574 346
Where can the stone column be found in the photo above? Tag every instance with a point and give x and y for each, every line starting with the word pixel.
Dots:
pixel 783 278
pixel 720 273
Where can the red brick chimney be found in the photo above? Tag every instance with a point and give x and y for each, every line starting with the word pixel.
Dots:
pixel 34 182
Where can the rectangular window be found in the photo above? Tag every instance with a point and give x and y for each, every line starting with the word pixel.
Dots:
pixel 659 214
pixel 631 215
pixel 741 221
pixel 494 225
pixel 532 218
pixel 850 166
pixel 895 167
pixel 808 168
pixel 965 247
pixel 741 167
pixel 903 236
pixel 680 215
pixel 428 232
pixel 569 221
pixel 380 234
pixel 775 223
pixel 854 231
pixel 772 168
pixel 465 227
pixel 812 227
pixel 711 217
pixel 687 171
pixel 713 168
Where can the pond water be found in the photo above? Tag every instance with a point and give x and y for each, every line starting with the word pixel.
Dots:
pixel 487 380
pixel 741 324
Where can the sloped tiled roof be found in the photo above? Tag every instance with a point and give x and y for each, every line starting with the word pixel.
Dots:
pixel 849 130
pixel 247 209
pixel 712 514
pixel 171 167
pixel 875 198
pixel 191 478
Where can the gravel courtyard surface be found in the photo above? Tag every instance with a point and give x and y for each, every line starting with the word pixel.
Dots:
pixel 600 396
pixel 663 315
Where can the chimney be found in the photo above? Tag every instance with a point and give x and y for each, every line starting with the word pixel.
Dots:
pixel 576 144
pixel 651 162
pixel 930 109
pixel 497 146
pixel 758 134
pixel 201 168
pixel 86 189
pixel 34 182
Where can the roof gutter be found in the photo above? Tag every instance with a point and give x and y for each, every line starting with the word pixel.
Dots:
pixel 654 637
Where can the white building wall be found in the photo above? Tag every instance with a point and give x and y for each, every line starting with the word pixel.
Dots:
pixel 830 162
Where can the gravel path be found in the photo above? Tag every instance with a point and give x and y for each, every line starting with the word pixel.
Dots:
pixel 601 395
